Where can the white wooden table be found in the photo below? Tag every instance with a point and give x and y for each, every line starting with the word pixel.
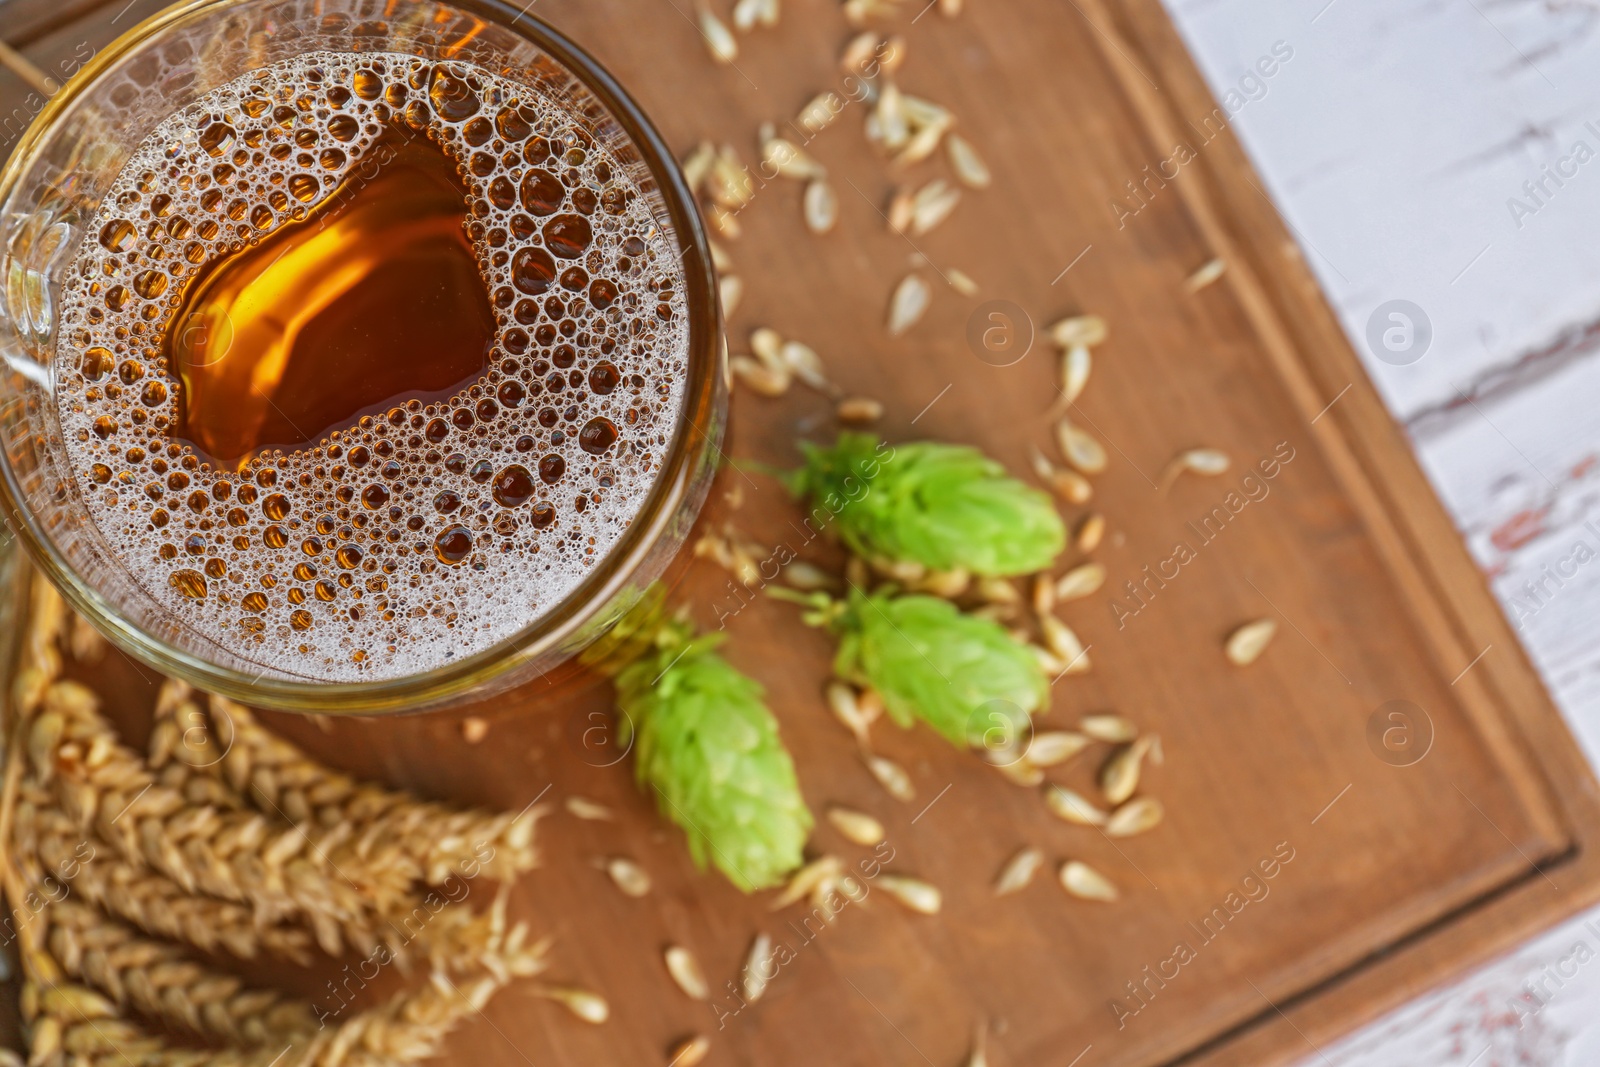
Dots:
pixel 1447 153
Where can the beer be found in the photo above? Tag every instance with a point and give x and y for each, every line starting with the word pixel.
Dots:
pixel 368 361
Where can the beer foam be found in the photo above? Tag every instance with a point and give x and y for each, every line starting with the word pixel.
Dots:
pixel 492 505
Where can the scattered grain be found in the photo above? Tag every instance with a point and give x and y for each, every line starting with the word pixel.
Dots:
pixel 588 1006
pixel 845 703
pixel 960 282
pixel 969 167
pixel 789 160
pixel 720 42
pixel 685 971
pixel 730 287
pixel 893 777
pixel 758 377
pixel 1079 448
pixel 892 55
pixel 803 882
pixel 1052 747
pixel 1063 643
pixel 857 827
pixel 1086 883
pixel 821 206
pixel 1072 807
pixel 909 304
pixel 914 893
pixel 1021 772
pixel 629 877
pixel 859 410
pixel 998 591
pixel 697 167
pixel 584 808
pixel 1018 871
pixel 1091 531
pixel 1069 485
pixel 1044 594
pixel 819 112
pixel 1207 462
pixel 754 978
pixel 1206 275
pixel 860 51
pixel 1112 729
pixel 1137 816
pixel 1119 777
pixel 902 209
pixel 932 204
pixel 1083 580
pixel 807 577
pixel 1086 330
pixel 1076 362
pixel 1245 645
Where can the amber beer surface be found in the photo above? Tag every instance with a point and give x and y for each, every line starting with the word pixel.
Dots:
pixel 371 360
pixel 372 300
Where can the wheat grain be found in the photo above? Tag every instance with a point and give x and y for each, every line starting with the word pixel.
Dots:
pixel 1086 883
pixel 1245 645
pixel 589 1006
pixel 1086 330
pixel 1137 816
pixel 908 304
pixel 914 893
pixel 730 290
pixel 821 206
pixel 856 826
pixel 968 166
pixel 1206 275
pixel 754 978
pixel 720 42
pixel 686 973
pixel 1018 871
pixel 1091 531
pixel 1113 729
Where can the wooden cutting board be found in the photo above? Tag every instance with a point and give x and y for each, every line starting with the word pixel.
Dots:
pixel 1307 877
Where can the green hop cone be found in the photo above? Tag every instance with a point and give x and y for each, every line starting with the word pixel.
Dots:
pixel 708 746
pixel 961 674
pixel 944 506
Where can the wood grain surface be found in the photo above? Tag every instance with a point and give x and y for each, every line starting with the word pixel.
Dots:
pixel 1398 875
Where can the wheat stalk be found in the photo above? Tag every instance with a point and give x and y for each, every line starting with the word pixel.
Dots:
pixel 278 777
pixel 173 854
pixel 159 979
pixel 71 1025
pixel 282 872
pixel 150 901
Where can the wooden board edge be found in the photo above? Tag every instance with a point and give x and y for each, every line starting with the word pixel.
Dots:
pixel 1458 612
pixel 1294 1031
pixel 1359 441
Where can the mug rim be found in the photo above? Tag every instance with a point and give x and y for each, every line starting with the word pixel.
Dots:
pixel 675 482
